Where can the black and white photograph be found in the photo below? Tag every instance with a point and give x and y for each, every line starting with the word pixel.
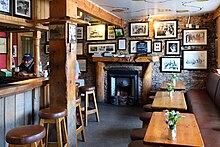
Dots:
pixel 79 33
pixel 72 33
pixel 47 49
pixel 194 37
pixel 79 48
pixel 172 47
pixel 95 32
pixel 110 33
pixel 5 6
pixel 138 29
pixel 157 46
pixel 165 29
pixel 101 47
pixel 170 64
pixel 22 8
pixel 82 64
pixel 133 46
pixel 194 59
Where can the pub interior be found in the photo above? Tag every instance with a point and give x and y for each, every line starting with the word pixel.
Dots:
pixel 157 55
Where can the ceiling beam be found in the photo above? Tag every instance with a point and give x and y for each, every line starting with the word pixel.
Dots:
pixel 99 13
pixel 217 13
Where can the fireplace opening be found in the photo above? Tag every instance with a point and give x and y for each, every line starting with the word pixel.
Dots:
pixel 122 87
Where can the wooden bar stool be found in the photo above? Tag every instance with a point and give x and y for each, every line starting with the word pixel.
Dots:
pixel 30 135
pixel 89 91
pixel 79 121
pixel 56 116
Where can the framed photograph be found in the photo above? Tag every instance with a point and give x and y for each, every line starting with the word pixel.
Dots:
pixel 119 32
pixel 165 29
pixel 139 29
pixel 5 7
pixel 3 45
pixel 82 64
pixel 194 37
pixel 194 59
pixel 23 8
pixel 79 48
pixel 172 47
pixel 110 33
pixel 170 64
pixel 100 48
pixel 133 46
pixel 79 32
pixel 72 33
pixel 48 36
pixel 122 44
pixel 157 46
pixel 47 49
pixel 95 33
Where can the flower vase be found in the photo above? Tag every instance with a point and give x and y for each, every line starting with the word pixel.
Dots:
pixel 174 82
pixel 170 93
pixel 172 134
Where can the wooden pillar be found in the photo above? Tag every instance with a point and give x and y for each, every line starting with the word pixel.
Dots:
pixel 62 63
pixel 9 53
pixel 147 80
pixel 218 35
pixel 37 36
pixel 100 81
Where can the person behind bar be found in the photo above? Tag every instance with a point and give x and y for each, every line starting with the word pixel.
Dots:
pixel 27 66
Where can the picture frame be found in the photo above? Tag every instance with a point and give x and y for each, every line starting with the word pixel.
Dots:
pixel 172 47
pixel 157 46
pixel 119 32
pixel 6 7
pixel 122 44
pixel 48 36
pixel 101 47
pixel 195 59
pixel 164 29
pixel 72 33
pixel 133 46
pixel 82 64
pixel 194 37
pixel 144 46
pixel 23 8
pixel 110 33
pixel 47 49
pixel 80 32
pixel 79 48
pixel 95 33
pixel 170 64
pixel 139 29
pixel 3 45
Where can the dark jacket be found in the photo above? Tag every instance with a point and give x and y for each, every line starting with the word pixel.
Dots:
pixel 29 69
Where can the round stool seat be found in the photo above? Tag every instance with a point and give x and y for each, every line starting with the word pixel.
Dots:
pixel 25 134
pixel 145 117
pixel 52 113
pixel 138 143
pixel 138 134
pixel 86 88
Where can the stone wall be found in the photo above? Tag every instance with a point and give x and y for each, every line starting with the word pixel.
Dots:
pixel 191 78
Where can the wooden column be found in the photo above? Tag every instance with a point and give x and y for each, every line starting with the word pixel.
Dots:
pixel 100 81
pixel 9 53
pixel 147 80
pixel 37 36
pixel 218 35
pixel 62 63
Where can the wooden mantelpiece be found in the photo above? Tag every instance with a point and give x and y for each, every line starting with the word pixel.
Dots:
pixel 146 70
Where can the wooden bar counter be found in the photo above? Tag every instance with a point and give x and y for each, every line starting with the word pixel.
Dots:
pixel 20 103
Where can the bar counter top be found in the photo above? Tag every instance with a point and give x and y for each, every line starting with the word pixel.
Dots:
pixel 21 84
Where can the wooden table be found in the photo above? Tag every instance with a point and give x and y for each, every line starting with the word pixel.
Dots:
pixel 179 85
pixel 162 100
pixel 187 131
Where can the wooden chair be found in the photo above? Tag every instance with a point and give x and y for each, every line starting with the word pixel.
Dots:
pixel 30 135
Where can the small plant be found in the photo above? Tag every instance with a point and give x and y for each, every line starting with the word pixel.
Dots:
pixel 174 76
pixel 172 118
pixel 169 87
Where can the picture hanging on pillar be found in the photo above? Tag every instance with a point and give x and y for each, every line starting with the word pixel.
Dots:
pixel 23 8
pixel 95 32
pixel 3 45
pixel 170 64
pixel 72 33
pixel 5 6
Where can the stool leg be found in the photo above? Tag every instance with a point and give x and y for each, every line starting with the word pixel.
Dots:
pixel 86 109
pixel 96 108
pixel 64 131
pixel 59 133
pixel 82 124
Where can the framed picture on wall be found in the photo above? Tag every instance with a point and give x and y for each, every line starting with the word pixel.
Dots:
pixel 3 45
pixel 119 32
pixel 101 47
pixel 133 46
pixel 47 49
pixel 95 33
pixel 172 47
pixel 79 48
pixel 110 33
pixel 139 29
pixel 194 37
pixel 48 36
pixel 23 8
pixel 157 46
pixel 80 33
pixel 170 64
pixel 165 29
pixel 82 64
pixel 194 59
pixel 122 44
pixel 5 7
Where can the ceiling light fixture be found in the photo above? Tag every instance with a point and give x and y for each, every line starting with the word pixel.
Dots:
pixel 202 0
